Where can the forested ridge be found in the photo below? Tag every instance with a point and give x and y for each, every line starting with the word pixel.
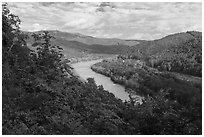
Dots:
pixel 40 95
pixel 181 52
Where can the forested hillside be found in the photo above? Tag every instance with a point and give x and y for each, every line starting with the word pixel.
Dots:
pixel 40 95
pixel 180 52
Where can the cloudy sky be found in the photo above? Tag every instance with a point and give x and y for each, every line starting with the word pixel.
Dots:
pixel 111 20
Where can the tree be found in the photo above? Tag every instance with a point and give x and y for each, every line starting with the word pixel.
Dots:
pixel 49 58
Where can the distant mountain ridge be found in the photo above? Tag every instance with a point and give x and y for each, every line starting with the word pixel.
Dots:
pixel 77 45
pixel 90 40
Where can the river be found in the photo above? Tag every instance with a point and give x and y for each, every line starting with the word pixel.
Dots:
pixel 84 71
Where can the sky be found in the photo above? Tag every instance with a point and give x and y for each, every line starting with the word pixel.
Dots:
pixel 125 20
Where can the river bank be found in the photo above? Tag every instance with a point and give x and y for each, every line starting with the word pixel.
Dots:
pixel 83 71
pixel 90 57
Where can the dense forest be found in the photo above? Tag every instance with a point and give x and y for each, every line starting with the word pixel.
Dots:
pixel 40 95
pixel 181 52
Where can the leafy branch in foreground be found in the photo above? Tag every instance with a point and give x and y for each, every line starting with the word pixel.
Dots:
pixel 49 58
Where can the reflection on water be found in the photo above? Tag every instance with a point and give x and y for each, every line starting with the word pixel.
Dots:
pixel 83 69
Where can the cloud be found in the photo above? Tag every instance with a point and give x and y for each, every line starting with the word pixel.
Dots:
pixel 76 23
pixel 114 35
pixel 37 27
pixel 143 20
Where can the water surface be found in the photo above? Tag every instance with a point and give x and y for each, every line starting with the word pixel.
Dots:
pixel 84 71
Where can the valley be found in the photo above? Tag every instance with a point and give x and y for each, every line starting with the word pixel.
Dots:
pixel 61 83
pixel 77 46
pixel 135 73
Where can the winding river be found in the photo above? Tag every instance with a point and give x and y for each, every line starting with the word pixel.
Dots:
pixel 84 71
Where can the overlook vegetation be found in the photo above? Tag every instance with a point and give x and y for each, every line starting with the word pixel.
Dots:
pixel 40 95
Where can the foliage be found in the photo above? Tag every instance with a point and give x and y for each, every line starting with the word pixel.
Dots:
pixel 181 90
pixel 41 96
pixel 181 52
pixel 159 115
pixel 187 58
